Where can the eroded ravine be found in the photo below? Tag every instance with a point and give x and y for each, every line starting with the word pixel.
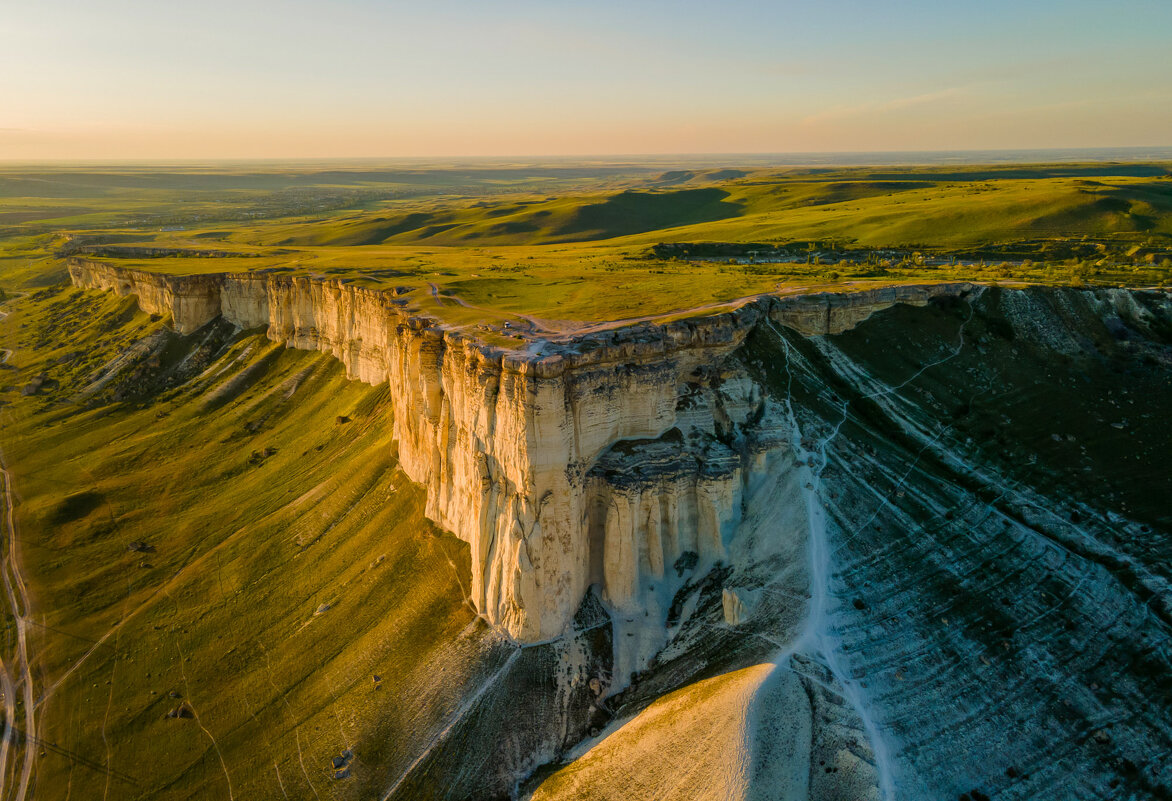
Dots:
pixel 936 526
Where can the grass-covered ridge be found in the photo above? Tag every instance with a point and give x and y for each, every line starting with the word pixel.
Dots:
pixel 849 209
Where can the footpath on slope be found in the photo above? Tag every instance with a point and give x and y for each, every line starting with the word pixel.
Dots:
pixel 16 599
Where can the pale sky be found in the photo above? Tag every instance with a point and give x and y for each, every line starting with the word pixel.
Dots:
pixel 124 79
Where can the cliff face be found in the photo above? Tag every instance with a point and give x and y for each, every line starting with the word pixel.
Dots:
pixel 619 460
pixel 191 300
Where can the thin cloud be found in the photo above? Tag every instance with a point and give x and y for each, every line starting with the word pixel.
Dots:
pixel 896 104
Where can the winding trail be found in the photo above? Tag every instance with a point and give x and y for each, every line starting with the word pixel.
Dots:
pixel 16 598
pixel 465 707
pixel 816 639
pixel 190 702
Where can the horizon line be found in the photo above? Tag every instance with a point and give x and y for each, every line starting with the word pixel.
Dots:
pixel 613 157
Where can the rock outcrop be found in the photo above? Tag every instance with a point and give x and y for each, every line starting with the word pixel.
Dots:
pixel 614 459
pixel 190 300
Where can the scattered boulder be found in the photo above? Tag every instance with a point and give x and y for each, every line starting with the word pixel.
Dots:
pixel 737 603
pixel 341 764
pixel 732 606
pixel 138 546
pixel 342 419
pixel 39 383
pixel 180 712
pixel 257 457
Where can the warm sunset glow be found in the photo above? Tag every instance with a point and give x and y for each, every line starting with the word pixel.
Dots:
pixel 132 80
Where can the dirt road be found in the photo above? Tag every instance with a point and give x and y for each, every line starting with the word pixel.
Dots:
pixel 17 676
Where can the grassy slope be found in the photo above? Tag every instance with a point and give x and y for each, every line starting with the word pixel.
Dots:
pixel 533 220
pixel 223 611
pixel 766 208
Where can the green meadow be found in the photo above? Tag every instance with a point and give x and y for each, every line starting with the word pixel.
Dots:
pixel 228 539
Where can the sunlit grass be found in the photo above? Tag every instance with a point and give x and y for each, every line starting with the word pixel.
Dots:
pixel 288 562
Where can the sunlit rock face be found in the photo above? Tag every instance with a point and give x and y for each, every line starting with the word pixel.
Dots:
pixel 505 444
pixel 191 301
pixel 938 516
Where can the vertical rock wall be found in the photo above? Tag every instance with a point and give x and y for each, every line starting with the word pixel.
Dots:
pixel 192 301
pixel 522 456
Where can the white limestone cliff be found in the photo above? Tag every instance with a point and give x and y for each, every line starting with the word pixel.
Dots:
pixel 602 461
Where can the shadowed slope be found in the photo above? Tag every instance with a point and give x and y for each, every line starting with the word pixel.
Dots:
pixel 917 208
pixel 999 520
